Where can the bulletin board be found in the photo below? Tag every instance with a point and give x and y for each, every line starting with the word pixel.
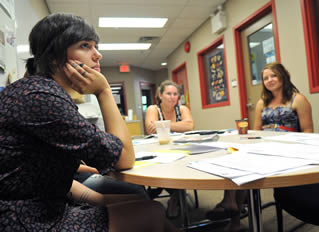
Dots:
pixel 216 78
pixel 213 75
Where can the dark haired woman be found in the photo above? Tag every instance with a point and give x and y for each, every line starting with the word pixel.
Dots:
pixel 43 139
pixel 283 108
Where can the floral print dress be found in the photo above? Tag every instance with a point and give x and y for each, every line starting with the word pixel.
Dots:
pixel 281 118
pixel 42 140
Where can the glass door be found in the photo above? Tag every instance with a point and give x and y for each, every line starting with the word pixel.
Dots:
pixel 258 50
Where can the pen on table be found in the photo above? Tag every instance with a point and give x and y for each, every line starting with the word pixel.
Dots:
pixel 146 157
pixel 253 137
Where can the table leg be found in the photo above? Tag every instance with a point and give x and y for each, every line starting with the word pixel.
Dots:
pixel 254 210
pixel 183 207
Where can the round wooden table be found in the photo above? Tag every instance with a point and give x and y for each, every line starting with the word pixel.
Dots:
pixel 177 175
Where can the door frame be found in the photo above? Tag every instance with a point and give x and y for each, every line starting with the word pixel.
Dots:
pixel 122 83
pixel 266 9
pixel 174 79
pixel 152 86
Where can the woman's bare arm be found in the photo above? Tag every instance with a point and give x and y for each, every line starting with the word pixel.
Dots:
pixel 82 193
pixel 187 123
pixel 258 121
pixel 304 111
pixel 151 116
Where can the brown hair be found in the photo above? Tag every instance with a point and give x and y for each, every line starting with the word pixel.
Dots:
pixel 288 87
pixel 161 88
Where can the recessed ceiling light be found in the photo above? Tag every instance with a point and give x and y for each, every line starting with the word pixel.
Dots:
pixel 124 46
pixel 132 22
pixel 164 63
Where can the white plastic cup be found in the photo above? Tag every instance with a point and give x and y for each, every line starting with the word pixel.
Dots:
pixel 130 114
pixel 163 129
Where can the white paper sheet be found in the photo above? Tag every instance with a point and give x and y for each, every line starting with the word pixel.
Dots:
pixel 305 138
pixel 239 177
pixel 260 164
pixel 161 157
pixel 295 150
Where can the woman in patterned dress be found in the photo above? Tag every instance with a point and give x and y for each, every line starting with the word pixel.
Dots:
pixel 281 108
pixel 43 139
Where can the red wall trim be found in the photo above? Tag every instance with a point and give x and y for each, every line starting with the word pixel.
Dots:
pixel 311 43
pixel 267 8
pixel 174 76
pixel 202 79
pixel 183 65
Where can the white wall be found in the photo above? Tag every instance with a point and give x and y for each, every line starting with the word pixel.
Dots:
pixel 28 13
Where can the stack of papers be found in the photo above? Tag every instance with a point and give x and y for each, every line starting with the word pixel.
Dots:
pixel 302 138
pixel 243 167
pixel 295 150
pixel 196 138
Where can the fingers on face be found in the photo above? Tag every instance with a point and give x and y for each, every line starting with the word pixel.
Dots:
pixel 77 70
pixel 73 72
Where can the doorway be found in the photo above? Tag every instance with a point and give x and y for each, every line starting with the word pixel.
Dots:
pixel 119 94
pixel 179 76
pixel 257 44
pixel 258 50
pixel 147 98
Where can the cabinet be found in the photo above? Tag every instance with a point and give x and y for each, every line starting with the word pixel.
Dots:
pixel 134 127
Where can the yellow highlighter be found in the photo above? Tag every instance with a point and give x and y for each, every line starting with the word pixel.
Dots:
pixel 231 150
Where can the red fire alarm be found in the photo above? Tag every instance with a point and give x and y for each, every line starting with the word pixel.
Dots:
pixel 124 68
pixel 187 46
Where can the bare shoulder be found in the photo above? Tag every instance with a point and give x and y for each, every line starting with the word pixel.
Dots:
pixel 152 109
pixel 183 107
pixel 300 102
pixel 300 99
pixel 260 104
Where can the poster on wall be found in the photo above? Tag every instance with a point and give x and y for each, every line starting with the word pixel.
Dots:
pixel 217 78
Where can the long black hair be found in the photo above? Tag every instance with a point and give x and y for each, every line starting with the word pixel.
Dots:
pixel 50 38
pixel 288 87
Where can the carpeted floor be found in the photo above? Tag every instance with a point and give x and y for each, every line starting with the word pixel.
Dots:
pixel 208 199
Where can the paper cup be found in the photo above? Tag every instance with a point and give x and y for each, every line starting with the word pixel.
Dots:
pixel 163 129
pixel 242 126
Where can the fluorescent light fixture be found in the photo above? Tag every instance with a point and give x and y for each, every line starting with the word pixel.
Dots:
pixel 116 88
pixel 164 63
pixel 124 46
pixel 132 22
pixel 253 44
pixel 24 48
